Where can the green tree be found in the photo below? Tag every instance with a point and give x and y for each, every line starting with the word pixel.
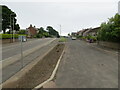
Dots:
pixel 41 30
pixel 8 16
pixel 22 32
pixel 110 31
pixel 42 33
pixel 52 31
pixel 17 27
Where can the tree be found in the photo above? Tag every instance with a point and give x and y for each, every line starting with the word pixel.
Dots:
pixel 42 33
pixel 17 27
pixel 22 32
pixel 68 34
pixel 52 31
pixel 41 30
pixel 8 16
pixel 110 31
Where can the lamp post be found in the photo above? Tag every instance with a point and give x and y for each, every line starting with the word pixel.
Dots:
pixel 119 7
pixel 11 27
pixel 60 29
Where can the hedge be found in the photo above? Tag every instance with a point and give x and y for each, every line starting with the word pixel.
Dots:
pixel 8 36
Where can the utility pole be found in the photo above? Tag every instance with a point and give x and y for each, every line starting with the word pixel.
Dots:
pixel 10 29
pixel 12 34
pixel 60 30
pixel 13 31
pixel 21 40
pixel 119 7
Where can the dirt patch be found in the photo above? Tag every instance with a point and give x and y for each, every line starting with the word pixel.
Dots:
pixel 41 71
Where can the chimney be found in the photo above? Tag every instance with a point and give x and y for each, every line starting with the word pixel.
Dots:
pixel 30 25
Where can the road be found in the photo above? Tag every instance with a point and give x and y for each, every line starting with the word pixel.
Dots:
pixel 14 49
pixel 87 66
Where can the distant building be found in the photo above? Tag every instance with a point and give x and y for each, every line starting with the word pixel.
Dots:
pixel 94 31
pixel 32 31
pixel 89 31
pixel 84 32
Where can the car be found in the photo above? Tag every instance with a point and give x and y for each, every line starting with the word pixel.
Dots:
pixel 74 38
pixel 22 38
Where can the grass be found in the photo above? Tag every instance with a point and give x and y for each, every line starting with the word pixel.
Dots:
pixel 62 39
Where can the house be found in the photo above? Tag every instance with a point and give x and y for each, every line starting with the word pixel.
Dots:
pixel 88 31
pixel 32 31
pixel 92 31
pixel 79 33
pixel 82 32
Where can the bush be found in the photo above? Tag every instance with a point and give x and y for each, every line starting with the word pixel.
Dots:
pixel 83 37
pixel 22 32
pixel 110 31
pixel 62 39
pixel 6 36
pixel 9 36
pixel 79 37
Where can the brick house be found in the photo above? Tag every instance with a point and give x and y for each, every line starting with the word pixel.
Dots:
pixel 32 31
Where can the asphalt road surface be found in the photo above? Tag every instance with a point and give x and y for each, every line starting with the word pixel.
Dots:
pixel 87 66
pixel 12 50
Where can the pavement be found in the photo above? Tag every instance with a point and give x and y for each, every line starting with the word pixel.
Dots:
pixel 86 66
pixel 32 49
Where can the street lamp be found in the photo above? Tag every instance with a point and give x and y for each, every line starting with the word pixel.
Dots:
pixel 60 29
pixel 11 26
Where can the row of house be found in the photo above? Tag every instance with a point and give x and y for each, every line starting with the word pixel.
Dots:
pixel 88 31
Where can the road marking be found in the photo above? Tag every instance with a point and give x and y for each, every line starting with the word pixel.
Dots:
pixel 17 57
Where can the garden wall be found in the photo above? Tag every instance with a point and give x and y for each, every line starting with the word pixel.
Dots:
pixel 109 44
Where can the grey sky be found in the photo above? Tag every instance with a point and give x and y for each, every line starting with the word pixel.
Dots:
pixel 73 16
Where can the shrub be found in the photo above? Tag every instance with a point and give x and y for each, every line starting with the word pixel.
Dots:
pixel 110 31
pixel 62 39
pixel 9 36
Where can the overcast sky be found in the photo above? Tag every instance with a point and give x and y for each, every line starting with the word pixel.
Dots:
pixel 73 16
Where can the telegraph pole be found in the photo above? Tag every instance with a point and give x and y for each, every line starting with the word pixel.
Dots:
pixel 10 29
pixel 13 31
pixel 21 40
pixel 12 34
pixel 60 30
pixel 119 7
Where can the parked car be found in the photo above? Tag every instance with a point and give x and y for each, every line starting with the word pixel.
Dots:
pixel 74 38
pixel 23 38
